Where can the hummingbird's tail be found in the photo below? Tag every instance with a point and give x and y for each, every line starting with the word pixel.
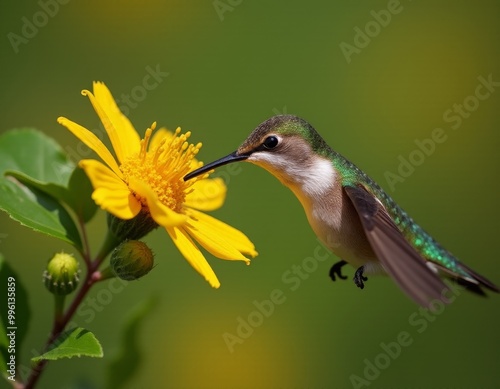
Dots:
pixel 474 282
pixel 477 282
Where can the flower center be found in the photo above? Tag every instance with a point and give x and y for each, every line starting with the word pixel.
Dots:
pixel 162 167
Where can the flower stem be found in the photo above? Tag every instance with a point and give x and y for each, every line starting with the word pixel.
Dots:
pixel 105 274
pixel 85 242
pixel 58 307
pixel 109 244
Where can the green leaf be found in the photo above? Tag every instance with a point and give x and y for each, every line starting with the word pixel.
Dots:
pixel 33 208
pixel 53 172
pixel 33 153
pixel 22 313
pixel 127 362
pixel 77 195
pixel 30 154
pixel 76 342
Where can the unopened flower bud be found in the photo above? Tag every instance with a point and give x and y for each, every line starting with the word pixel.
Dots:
pixel 62 274
pixel 134 228
pixel 132 260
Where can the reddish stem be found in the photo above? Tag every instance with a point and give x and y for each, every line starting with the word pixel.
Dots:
pixel 58 328
pixel 93 276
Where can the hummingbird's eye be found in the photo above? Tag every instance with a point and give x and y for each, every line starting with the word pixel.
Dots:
pixel 270 142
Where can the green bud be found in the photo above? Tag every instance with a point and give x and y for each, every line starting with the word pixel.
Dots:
pixel 134 228
pixel 132 260
pixel 62 274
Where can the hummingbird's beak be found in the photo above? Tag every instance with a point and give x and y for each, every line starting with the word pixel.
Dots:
pixel 233 157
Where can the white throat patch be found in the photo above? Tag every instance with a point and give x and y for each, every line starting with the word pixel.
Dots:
pixel 313 180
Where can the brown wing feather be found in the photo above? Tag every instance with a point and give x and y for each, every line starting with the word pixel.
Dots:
pixel 403 263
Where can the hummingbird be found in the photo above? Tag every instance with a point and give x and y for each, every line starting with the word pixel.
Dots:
pixel 351 214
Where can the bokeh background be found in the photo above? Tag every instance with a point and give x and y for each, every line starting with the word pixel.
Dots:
pixel 232 64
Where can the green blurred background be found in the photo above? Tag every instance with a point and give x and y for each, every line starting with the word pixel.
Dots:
pixel 233 64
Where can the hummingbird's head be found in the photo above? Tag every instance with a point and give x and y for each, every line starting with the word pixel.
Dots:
pixel 285 145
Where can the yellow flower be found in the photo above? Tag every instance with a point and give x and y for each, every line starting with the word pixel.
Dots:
pixel 147 176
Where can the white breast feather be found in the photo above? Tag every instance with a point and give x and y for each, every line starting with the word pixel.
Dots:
pixel 318 179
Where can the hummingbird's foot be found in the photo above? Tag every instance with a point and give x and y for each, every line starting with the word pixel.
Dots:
pixel 359 278
pixel 336 270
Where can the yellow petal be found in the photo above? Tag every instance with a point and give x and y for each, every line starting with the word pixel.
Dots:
pixel 193 255
pixel 110 193
pixel 160 213
pixel 211 227
pixel 109 126
pixel 93 142
pixel 129 139
pixel 238 239
pixel 207 195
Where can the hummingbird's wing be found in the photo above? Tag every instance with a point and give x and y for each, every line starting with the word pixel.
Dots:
pixel 403 263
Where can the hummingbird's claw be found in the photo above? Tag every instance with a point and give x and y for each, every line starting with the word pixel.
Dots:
pixel 336 270
pixel 359 278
